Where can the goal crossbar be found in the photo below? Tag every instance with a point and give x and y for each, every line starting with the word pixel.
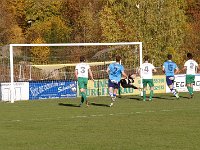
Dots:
pixel 80 44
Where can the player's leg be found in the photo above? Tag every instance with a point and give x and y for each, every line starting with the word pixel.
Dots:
pixel 144 82
pixel 110 87
pixel 187 78
pixel 151 85
pixel 111 92
pixel 192 90
pixel 81 84
pixel 189 84
pixel 192 81
pixel 85 95
pixel 113 97
pixel 116 88
pixel 170 83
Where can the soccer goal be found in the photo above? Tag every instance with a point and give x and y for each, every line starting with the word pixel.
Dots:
pixel 54 64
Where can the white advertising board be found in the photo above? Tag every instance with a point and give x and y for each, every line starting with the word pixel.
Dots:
pixel 180 83
pixel 21 91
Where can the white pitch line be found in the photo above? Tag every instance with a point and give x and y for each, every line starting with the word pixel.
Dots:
pixel 81 116
pixel 150 111
pixel 16 120
pixel 166 110
pixel 97 115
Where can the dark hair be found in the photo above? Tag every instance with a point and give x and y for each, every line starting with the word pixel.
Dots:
pixel 82 59
pixel 146 58
pixel 118 58
pixel 189 55
pixel 169 56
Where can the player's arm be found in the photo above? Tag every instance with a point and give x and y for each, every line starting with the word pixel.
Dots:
pixel 138 71
pixel 124 74
pixel 76 73
pixel 154 68
pixel 176 71
pixel 108 70
pixel 184 68
pixel 198 68
pixel 133 76
pixel 91 74
pixel 163 68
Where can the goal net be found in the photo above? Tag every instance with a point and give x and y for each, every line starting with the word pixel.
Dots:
pixel 47 70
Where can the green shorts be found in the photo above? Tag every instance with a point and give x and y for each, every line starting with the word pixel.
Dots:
pixel 190 79
pixel 147 81
pixel 82 83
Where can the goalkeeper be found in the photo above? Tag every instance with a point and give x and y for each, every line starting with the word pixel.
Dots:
pixel 128 82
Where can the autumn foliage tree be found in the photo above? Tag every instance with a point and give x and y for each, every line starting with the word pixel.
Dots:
pixel 164 26
pixel 39 55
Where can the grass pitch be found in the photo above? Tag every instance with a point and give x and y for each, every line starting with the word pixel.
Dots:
pixel 131 124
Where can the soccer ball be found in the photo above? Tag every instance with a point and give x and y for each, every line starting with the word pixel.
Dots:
pixel 73 89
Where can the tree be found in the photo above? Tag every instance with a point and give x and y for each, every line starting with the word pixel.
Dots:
pixel 39 55
pixel 7 22
pixel 151 22
pixel 47 21
pixel 84 20
pixel 192 40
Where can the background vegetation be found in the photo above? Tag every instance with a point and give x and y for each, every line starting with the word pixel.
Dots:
pixel 164 26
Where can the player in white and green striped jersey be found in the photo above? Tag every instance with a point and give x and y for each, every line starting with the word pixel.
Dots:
pixel 191 67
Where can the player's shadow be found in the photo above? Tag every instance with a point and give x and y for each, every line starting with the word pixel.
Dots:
pixel 156 97
pixel 170 97
pixel 69 105
pixel 185 97
pixel 165 98
pixel 136 98
pixel 100 105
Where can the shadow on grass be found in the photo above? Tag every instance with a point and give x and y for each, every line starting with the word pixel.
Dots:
pixel 171 97
pixel 155 97
pixel 69 105
pixel 185 97
pixel 136 98
pixel 100 105
pixel 165 98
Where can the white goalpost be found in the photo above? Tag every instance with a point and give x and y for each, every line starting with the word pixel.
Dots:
pixel 12 47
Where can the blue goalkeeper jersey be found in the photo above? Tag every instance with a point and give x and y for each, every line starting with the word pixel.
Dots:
pixel 115 71
pixel 169 67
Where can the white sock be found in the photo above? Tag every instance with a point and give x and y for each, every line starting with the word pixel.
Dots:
pixel 111 94
pixel 173 91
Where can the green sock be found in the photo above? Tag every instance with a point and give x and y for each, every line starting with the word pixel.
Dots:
pixel 189 89
pixel 192 91
pixel 151 94
pixel 83 97
pixel 144 95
